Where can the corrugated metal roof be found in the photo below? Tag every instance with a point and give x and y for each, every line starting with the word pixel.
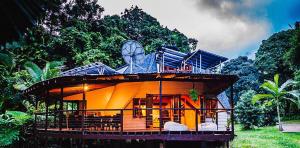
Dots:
pixel 97 68
pixel 171 57
pixel 208 59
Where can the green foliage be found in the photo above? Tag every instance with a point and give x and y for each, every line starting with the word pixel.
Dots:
pixel 7 61
pixel 276 94
pixel 291 57
pixel 34 74
pixel 10 125
pixel 247 72
pixel 194 94
pixel 248 114
pixel 50 70
pixel 144 28
pixel 269 58
pixel 76 33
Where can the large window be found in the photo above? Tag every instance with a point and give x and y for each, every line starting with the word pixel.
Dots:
pixel 139 107
pixel 71 105
pixel 211 104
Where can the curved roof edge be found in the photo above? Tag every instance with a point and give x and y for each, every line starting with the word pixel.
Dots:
pixel 212 80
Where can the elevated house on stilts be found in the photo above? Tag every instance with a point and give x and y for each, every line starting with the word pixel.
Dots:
pixel 166 95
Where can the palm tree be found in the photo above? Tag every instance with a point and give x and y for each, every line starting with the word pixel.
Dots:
pixel 277 94
pixel 37 74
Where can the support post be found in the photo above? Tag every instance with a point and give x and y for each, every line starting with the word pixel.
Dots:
pixel 61 108
pixel 196 65
pixel 220 66
pixel 83 107
pixel 121 120
pixel 196 117
pixel 47 109
pixel 35 116
pixel 232 110
pixel 47 112
pixel 163 62
pixel 160 106
pixel 35 122
pixel 200 56
pixel 130 65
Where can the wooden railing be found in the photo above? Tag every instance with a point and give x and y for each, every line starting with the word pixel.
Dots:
pixel 113 119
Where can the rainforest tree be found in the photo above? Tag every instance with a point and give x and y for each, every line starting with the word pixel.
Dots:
pixel 247 72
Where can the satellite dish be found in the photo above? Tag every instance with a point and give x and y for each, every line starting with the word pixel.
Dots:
pixel 133 53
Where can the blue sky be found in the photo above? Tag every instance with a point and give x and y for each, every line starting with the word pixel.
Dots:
pixel 283 12
pixel 226 27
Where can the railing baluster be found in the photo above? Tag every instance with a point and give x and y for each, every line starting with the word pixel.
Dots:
pixel 82 121
pixel 117 121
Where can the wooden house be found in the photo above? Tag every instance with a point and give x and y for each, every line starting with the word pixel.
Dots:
pixel 167 95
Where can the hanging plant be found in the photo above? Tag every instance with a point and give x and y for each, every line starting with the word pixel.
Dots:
pixel 194 94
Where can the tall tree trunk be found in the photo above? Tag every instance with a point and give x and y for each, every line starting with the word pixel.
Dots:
pixel 278 114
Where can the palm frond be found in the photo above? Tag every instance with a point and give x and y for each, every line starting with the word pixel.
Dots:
pixel 267 103
pixel 258 97
pixel 34 71
pixel 294 93
pixel 296 101
pixel 55 64
pixel 51 69
pixel 286 84
pixel 19 117
pixel 276 79
pixel 269 86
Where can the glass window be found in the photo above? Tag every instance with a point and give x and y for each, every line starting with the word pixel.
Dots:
pixel 139 107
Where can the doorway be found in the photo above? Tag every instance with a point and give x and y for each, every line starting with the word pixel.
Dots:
pixel 170 109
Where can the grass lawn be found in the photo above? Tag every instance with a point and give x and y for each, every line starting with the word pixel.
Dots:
pixel 265 137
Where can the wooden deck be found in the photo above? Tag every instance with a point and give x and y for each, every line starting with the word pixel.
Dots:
pixel 139 134
pixel 57 125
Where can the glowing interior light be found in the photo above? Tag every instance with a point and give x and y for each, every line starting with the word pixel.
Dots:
pixel 85 88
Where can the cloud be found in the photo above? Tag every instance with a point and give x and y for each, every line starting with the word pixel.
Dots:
pixel 226 27
pixel 234 8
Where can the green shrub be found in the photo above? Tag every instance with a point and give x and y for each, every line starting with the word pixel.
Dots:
pixel 269 115
pixel 248 114
pixel 10 125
